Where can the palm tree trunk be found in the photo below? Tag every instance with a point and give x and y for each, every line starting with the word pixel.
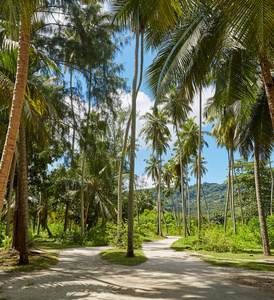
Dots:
pixel 39 215
pixel 271 193
pixel 269 85
pixel 12 173
pixel 189 212
pixel 232 192
pixel 199 163
pixel 86 214
pixel 207 210
pixel 262 219
pixel 82 194
pixel 120 175
pixel 73 119
pixel 228 192
pixel 165 221
pixel 174 211
pixel 130 248
pixel 17 104
pixel 182 182
pixel 240 197
pixel 178 211
pixel 66 216
pixel 159 196
pixel 23 233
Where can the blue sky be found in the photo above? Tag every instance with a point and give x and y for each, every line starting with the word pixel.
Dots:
pixel 216 158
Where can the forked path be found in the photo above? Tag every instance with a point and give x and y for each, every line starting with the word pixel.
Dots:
pixel 82 274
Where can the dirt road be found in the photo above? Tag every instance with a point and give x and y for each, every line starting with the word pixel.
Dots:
pixel 82 274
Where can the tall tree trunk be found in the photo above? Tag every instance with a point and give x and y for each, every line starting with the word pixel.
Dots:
pixel 228 191
pixel 271 193
pixel 199 163
pixel 159 231
pixel 240 197
pixel 86 214
pixel 17 104
pixel 187 186
pixel 165 221
pixel 262 218
pixel 182 182
pixel 66 216
pixel 232 192
pixel 174 211
pixel 207 210
pixel 39 215
pixel 82 194
pixel 269 85
pixel 120 174
pixel 73 119
pixel 21 214
pixel 12 173
pixel 130 247
pixel 178 211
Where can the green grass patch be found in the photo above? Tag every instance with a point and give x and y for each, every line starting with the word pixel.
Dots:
pixel 244 258
pixel 257 266
pixel 118 256
pixel 37 261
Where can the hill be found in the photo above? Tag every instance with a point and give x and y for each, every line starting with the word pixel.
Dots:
pixel 215 195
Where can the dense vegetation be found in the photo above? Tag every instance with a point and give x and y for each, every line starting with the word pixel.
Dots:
pixel 67 171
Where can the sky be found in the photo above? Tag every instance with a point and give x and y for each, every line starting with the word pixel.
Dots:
pixel 216 158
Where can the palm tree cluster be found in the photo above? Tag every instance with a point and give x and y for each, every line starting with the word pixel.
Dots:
pixel 59 100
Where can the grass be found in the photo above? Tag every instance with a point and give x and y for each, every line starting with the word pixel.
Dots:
pixel 118 256
pixel 37 261
pixel 245 258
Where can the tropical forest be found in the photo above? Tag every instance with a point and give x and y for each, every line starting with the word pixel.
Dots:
pixel 107 134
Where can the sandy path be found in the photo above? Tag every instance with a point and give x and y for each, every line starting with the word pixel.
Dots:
pixel 82 274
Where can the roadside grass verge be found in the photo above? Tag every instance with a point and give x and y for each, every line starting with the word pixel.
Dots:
pixel 118 256
pixel 251 259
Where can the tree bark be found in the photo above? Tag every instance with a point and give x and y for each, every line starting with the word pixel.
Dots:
pixel 182 182
pixel 130 247
pixel 240 197
pixel 262 218
pixel 271 193
pixel 82 194
pixel 165 221
pixel 228 192
pixel 39 215
pixel 159 231
pixel 207 210
pixel 269 85
pixel 17 104
pixel 21 215
pixel 179 219
pixel 66 216
pixel 232 192
pixel 199 163
pixel 12 173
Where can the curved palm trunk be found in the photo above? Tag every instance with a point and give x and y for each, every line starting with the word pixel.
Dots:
pixel 17 104
pixel 73 118
pixel 189 212
pixel 39 216
pixel 120 175
pixel 12 173
pixel 269 85
pixel 199 164
pixel 130 248
pixel 182 183
pixel 262 219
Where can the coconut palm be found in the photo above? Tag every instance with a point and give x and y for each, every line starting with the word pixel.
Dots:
pixel 257 136
pixel 157 135
pixel 177 108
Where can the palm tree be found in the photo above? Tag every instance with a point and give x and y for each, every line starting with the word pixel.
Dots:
pixel 177 108
pixel 257 135
pixel 157 134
